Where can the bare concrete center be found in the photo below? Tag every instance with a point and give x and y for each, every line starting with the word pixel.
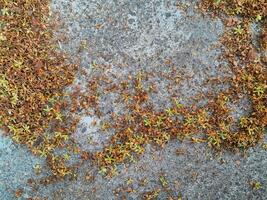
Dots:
pixel 132 36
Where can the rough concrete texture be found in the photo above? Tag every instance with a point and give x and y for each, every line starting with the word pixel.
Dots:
pixel 128 37
pixel 16 167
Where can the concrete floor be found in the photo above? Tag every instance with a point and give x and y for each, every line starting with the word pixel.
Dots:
pixel 141 35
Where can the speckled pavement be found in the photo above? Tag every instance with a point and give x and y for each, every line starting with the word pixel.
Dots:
pixel 128 36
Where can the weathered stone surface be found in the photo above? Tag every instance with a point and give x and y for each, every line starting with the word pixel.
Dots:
pixel 142 35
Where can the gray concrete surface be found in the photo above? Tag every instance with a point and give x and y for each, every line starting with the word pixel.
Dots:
pixel 141 35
